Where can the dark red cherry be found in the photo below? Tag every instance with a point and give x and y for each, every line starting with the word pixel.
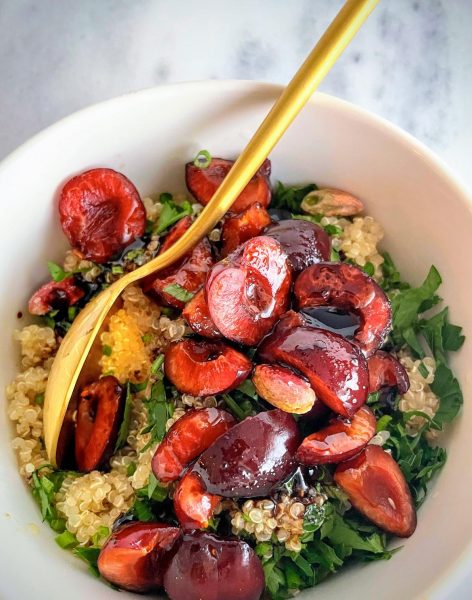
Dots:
pixel 188 437
pixel 193 505
pixel 338 441
pixel 133 558
pixel 206 567
pixel 198 317
pixel 101 213
pixel 386 371
pixel 242 227
pixel 377 488
pixel 346 286
pixel 305 243
pixel 203 183
pixel 204 367
pixel 248 291
pixel 99 413
pixel 335 368
pixel 251 458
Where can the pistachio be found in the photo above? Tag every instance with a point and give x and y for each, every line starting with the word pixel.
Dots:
pixel 331 202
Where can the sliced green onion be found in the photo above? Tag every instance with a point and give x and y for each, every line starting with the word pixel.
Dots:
pixel 66 540
pixel 202 160
pixel 107 350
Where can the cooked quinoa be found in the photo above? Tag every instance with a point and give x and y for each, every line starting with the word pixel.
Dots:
pixel 280 519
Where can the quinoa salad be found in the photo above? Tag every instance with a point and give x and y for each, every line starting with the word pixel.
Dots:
pixel 269 409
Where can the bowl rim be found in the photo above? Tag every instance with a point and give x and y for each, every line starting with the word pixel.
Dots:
pixel 454 577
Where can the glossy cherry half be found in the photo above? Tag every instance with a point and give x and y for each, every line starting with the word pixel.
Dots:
pixel 188 437
pixel 101 213
pixel 338 441
pixel 377 488
pixel 204 368
pixel 346 286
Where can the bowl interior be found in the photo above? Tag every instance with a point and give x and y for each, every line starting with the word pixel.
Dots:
pixel 149 136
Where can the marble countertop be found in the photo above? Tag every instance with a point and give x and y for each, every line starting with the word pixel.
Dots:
pixel 411 63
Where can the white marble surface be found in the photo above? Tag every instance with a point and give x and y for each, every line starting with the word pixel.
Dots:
pixel 412 62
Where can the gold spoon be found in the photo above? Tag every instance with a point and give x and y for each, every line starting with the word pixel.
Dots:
pixel 77 344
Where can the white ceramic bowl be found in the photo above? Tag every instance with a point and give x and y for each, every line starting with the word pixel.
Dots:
pixel 149 136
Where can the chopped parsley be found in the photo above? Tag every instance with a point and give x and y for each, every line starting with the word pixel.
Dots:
pixel 125 423
pixel 159 409
pixel 90 556
pixel 171 213
pixel 290 197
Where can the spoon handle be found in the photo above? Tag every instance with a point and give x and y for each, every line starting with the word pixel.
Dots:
pixel 72 355
pixel 294 97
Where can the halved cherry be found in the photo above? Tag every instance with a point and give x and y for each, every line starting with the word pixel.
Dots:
pixel 305 243
pixel 193 505
pixel 251 458
pixel 346 286
pixel 133 557
pixel 338 441
pixel 204 368
pixel 190 274
pixel 240 228
pixel 335 368
pixel 99 413
pixel 282 388
pixel 386 371
pixel 203 183
pixel 198 317
pixel 175 233
pixel 101 213
pixel 377 488
pixel 188 437
pixel 55 295
pixel 207 567
pixel 249 290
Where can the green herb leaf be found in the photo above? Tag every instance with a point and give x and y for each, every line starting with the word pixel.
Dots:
pixel 247 388
pixel 156 366
pixel 159 411
pixel 178 292
pixel 334 230
pixel 391 276
pixel 147 337
pixel 107 350
pixel 342 533
pixel 155 491
pixel 39 399
pixel 290 197
pixel 57 272
pixel 125 423
pixel 101 534
pixel 90 556
pixel 369 269
pixel 139 387
pixel 447 389
pixel 440 335
pixel 131 469
pixel 171 213
pixel 406 305
pixel 142 511
pixel 234 407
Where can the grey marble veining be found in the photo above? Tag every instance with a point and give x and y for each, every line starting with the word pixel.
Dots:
pixel 411 63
